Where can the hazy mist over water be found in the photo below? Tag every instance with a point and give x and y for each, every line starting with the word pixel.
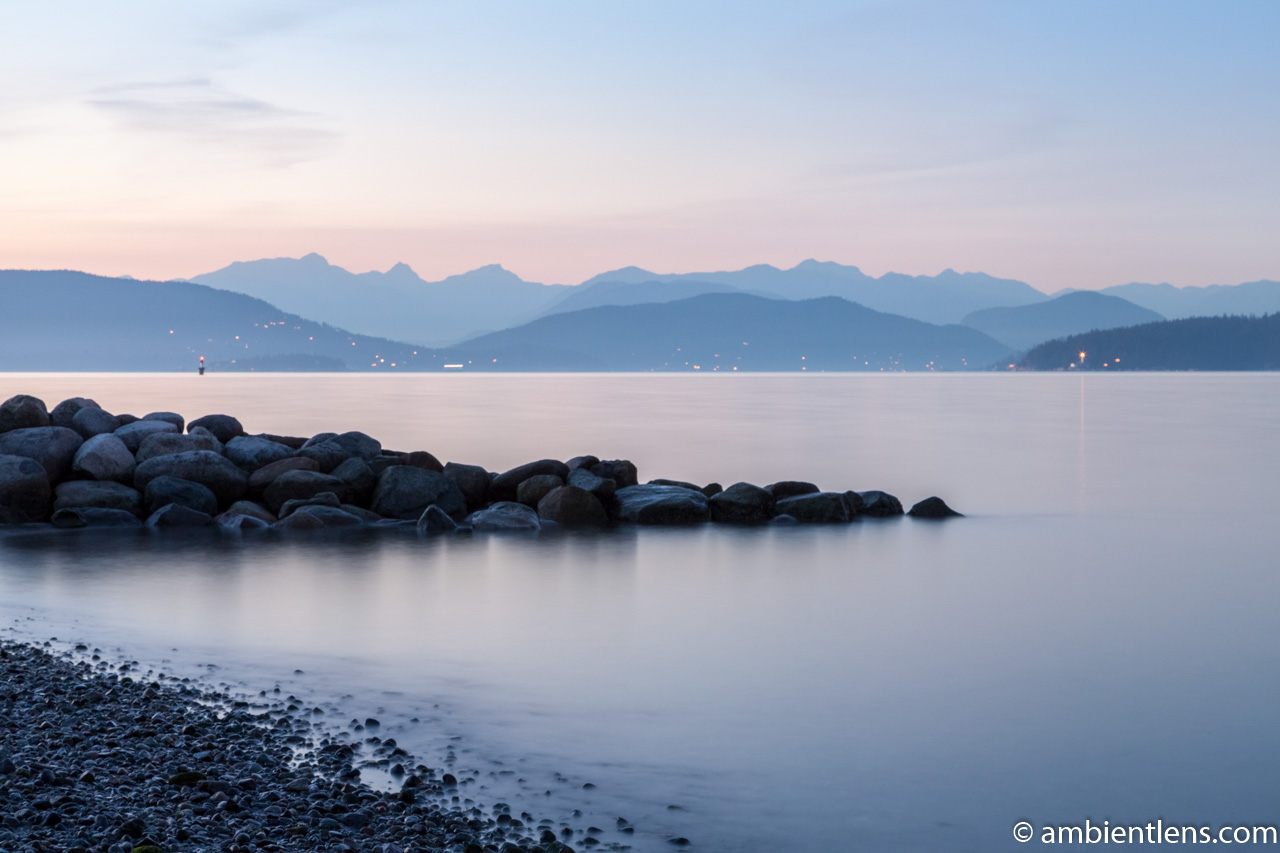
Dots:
pixel 1096 640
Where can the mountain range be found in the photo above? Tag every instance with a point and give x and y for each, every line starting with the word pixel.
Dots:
pixel 1025 326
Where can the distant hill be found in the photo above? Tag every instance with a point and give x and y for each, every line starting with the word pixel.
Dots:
pixel 395 304
pixel 1070 314
pixel 633 293
pixel 727 331
pixel 74 321
pixel 1197 343
pixel 1252 297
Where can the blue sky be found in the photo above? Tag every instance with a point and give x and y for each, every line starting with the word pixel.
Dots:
pixel 1065 143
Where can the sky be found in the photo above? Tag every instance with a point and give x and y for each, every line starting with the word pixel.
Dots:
pixel 1068 144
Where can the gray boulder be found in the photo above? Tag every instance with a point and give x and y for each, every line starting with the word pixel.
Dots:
pixel 434 521
pixel 791 488
pixel 166 443
pixel 239 523
pixel 135 433
pixel 318 438
pixel 505 486
pixel 368 516
pixel 124 419
pixel 816 508
pixel 933 508
pixel 571 506
pixel 177 515
pixel 223 427
pixel 661 505
pixel 405 493
pixel 24 490
pixel 422 459
pixel 53 447
pixel 536 488
pixel 251 509
pixel 880 504
pixel 330 516
pixel 104 457
pixel 359 477
pixel 90 421
pixel 713 489
pixel 326 455
pixel 227 482
pixel 323 499
pixel 90 493
pixel 300 485
pixel 92 516
pixel 854 501
pixel 163 491
pixel 472 480
pixel 621 471
pixel 742 503
pixel 602 487
pixel 335 450
pixel 661 481
pixel 204 433
pixel 23 412
pixel 784 520
pixel 168 417
pixel 505 516
pixel 63 413
pixel 252 453
pixel 299 521
pixel 267 474
pixel 582 462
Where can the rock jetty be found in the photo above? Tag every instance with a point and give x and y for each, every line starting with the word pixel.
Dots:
pixel 80 466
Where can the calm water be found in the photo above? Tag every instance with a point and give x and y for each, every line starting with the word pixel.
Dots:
pixel 1097 640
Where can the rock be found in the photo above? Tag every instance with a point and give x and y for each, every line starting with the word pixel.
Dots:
pixel 384 461
pixel 816 508
pixel 506 485
pixel 681 483
pixel 405 493
pixel 791 488
pixel 505 516
pixel 784 520
pixel 133 434
pixel 252 453
pixel 328 499
pixel 327 456
pixel 227 482
pixel 335 450
pixel 329 516
pixel 620 471
pixel 240 523
pixel 880 504
pixel 267 474
pixel 422 459
pixel 602 487
pixel 368 516
pixel 104 457
pixel 472 480
pixel 168 417
pixel 251 509
pixel 127 419
pixel 854 501
pixel 25 494
pixel 299 521
pixel 359 477
pixel 933 508
pixel 293 442
pixel 319 438
pixel 300 485
pixel 90 421
pixel 90 493
pixel 582 462
pixel 166 490
pixel 63 413
pixel 713 489
pixel 167 443
pixel 434 520
pixel 223 427
pixel 742 503
pixel 536 488
pixel 92 516
pixel 201 431
pixel 661 505
pixel 572 507
pixel 177 515
pixel 23 412
pixel 53 447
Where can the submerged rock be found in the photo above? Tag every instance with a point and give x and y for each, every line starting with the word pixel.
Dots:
pixel 91 493
pixel 662 505
pixel 742 503
pixel 434 520
pixel 933 508
pixel 93 516
pixel 25 493
pixel 571 506
pixel 880 504
pixel 505 516
pixel 177 515
pixel 816 508
pixel 251 509
pixel 405 493
pixel 328 499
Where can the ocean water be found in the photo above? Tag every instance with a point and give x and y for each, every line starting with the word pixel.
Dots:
pixel 1096 640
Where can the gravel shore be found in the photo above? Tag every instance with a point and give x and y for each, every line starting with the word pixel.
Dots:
pixel 97 757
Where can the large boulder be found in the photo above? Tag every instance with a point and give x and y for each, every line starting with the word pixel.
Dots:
pixel 227 482
pixel 240 523
pixel 177 515
pixel 223 427
pixel 572 507
pixel 933 508
pixel 742 503
pixel 880 504
pixel 63 413
pixel 404 492
pixel 168 417
pixel 602 487
pixel 106 495
pixel 92 516
pixel 661 505
pixel 201 432
pixel 300 485
pixel 318 438
pixel 329 516
pixel 505 486
pixel 816 508
pixel 23 412
pixel 90 421
pixel 434 521
pixel 621 471
pixel 24 490
pixel 791 488
pixel 582 462
pixel 855 502
pixel 536 488
pixel 104 457
pixel 135 433
pixel 505 516
pixel 322 499
pixel 251 509
pixel 166 443
pixel 267 474
pixel 53 447
pixel 422 459
pixel 335 450
pixel 252 453
pixel 163 491
pixel 472 480
pixel 359 477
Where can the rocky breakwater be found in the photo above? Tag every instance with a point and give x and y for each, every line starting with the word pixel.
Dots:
pixel 81 466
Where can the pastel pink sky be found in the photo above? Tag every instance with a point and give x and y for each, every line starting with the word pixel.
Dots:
pixel 1067 144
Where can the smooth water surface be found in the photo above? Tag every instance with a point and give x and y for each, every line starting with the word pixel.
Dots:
pixel 1096 640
